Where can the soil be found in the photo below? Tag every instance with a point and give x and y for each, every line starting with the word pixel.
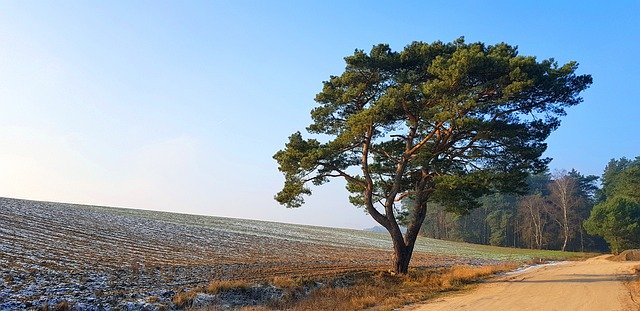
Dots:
pixel 628 255
pixel 107 258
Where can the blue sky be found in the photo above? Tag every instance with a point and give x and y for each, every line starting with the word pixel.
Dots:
pixel 179 106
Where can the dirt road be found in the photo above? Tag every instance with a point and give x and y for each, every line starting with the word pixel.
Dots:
pixel 594 284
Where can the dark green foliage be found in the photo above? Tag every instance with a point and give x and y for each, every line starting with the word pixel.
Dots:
pixel 499 218
pixel 621 177
pixel 617 220
pixel 617 217
pixel 586 184
pixel 440 122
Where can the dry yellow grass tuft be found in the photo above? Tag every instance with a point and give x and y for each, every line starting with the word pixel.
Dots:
pixel 153 299
pixel 62 306
pixel 210 308
pixel 348 298
pixel 184 299
pixel 217 286
pixel 460 275
pixel 286 282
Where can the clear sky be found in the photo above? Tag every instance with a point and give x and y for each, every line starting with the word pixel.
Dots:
pixel 180 105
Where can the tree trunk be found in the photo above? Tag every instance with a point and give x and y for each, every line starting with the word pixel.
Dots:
pixel 401 259
pixel 581 239
pixel 403 245
pixel 401 252
pixel 566 238
pixel 565 228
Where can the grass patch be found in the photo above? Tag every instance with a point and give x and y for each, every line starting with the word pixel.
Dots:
pixel 218 286
pixel 385 291
pixel 60 306
pixel 376 290
pixel 286 282
pixel 184 299
pixel 153 299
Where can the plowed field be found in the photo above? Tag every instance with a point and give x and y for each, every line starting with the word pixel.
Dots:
pixel 103 256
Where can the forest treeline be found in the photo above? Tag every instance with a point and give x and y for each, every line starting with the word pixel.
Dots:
pixel 565 210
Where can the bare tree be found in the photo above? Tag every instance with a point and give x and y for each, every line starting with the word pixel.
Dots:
pixel 533 219
pixel 565 202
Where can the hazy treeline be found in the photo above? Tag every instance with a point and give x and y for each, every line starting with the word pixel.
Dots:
pixel 549 216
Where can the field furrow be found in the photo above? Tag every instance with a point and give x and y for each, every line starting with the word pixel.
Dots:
pixel 108 255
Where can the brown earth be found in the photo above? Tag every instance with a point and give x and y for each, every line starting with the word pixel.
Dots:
pixel 628 255
pixel 103 256
pixel 594 284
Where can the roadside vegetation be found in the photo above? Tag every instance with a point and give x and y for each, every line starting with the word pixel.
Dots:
pixel 375 290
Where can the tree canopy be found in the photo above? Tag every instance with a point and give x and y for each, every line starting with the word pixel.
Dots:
pixel 437 122
pixel 617 217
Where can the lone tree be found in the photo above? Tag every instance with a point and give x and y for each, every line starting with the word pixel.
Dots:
pixel 436 122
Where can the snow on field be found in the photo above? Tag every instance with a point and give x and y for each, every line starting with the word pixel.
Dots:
pixel 104 258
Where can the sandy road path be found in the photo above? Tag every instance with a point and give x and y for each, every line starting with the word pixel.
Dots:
pixel 594 284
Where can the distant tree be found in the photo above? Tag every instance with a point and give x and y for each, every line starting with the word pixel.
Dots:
pixel 495 217
pixel 539 184
pixel 586 185
pixel 473 227
pixel 439 122
pixel 439 224
pixel 617 217
pixel 498 222
pixel 587 191
pixel 533 220
pixel 565 202
pixel 621 177
pixel 617 220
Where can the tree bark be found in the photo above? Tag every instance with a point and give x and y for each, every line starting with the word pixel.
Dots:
pixel 401 258
pixel 403 245
pixel 566 238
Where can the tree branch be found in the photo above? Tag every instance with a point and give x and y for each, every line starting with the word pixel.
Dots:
pixel 424 140
pixel 368 193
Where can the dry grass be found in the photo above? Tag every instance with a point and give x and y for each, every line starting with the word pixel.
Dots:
pixel 210 308
pixel 214 308
pixel 373 290
pixel 286 282
pixel 60 306
pixel 218 286
pixel 386 291
pixel 184 299
pixel 153 299
pixel 460 275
